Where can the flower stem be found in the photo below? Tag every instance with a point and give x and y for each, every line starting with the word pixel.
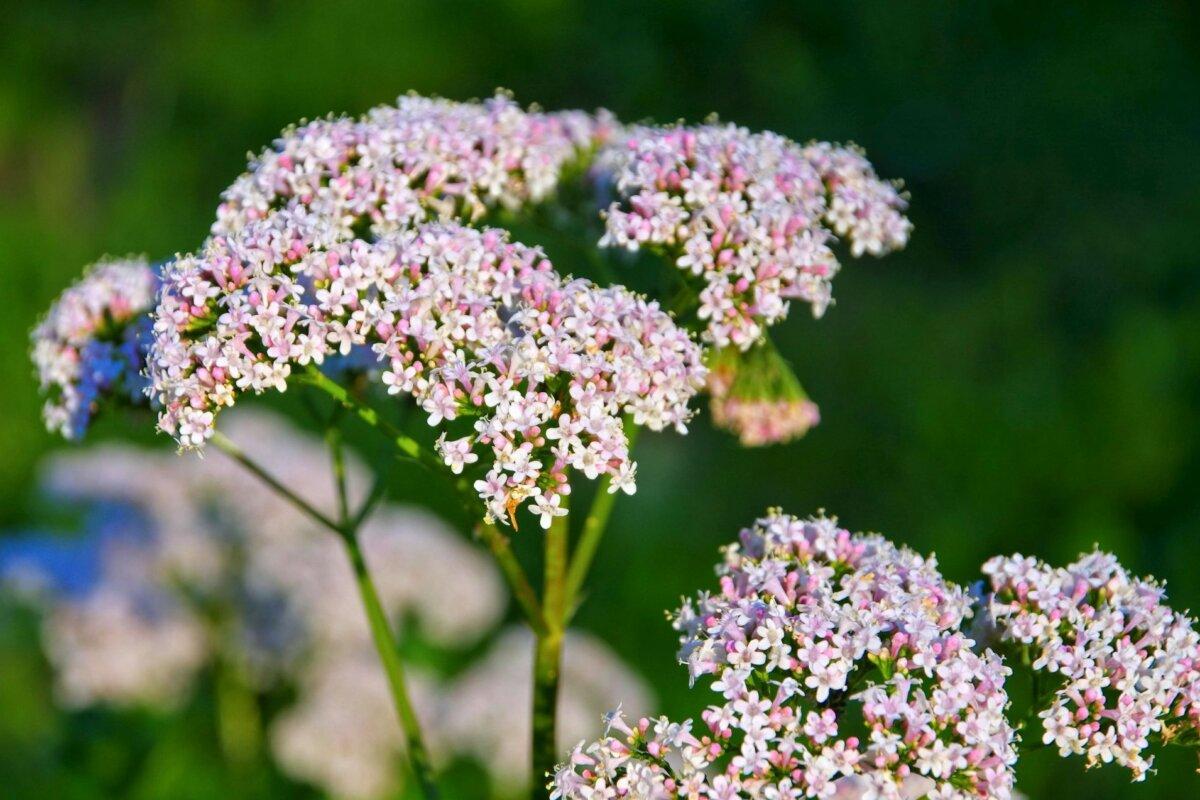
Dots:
pixel 381 629
pixel 593 531
pixel 381 633
pixel 407 445
pixel 496 541
pixel 389 657
pixel 514 574
pixel 547 660
pixel 227 446
pixel 333 439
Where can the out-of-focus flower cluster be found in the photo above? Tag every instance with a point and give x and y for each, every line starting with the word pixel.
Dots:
pixel 92 343
pixel 126 646
pixel 269 585
pixel 473 326
pixel 753 215
pixel 757 396
pixel 841 672
pixel 423 159
pixel 196 565
pixel 1125 667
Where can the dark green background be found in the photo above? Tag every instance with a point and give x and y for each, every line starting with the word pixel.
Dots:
pixel 1025 376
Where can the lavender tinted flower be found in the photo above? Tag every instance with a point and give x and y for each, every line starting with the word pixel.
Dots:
pixel 1125 667
pixel 469 324
pixel 92 343
pixel 842 672
pixel 753 215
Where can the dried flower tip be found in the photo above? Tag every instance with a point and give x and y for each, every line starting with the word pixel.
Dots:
pixel 756 395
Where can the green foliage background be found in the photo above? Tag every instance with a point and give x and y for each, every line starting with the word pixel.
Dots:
pixel 1026 376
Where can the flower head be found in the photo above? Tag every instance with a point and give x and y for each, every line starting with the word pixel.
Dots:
pixel 124 647
pixel 92 344
pixel 423 159
pixel 534 371
pixel 1125 667
pixel 752 215
pixel 841 671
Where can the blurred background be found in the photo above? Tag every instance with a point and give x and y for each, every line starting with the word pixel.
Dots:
pixel 1024 377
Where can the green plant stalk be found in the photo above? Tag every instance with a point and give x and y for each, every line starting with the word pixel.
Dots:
pixel 497 542
pixel 500 548
pixel 239 724
pixel 229 448
pixel 333 440
pixel 407 445
pixel 381 633
pixel 389 657
pixel 547 659
pixel 593 531
pixel 381 629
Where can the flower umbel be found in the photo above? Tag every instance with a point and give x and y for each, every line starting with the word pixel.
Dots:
pixel 841 669
pixel 1125 667
pixel 752 215
pixel 756 395
pixel 423 159
pixel 533 371
pixel 92 344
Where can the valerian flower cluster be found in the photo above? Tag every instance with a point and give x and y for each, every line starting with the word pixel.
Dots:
pixel 841 671
pixel 92 343
pixel 753 215
pixel 421 160
pixel 1124 668
pixel 473 326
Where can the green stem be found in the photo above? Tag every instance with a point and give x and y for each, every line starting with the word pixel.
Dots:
pixel 381 629
pixel 381 633
pixel 497 542
pixel 333 439
pixel 514 574
pixel 548 655
pixel 368 505
pixel 389 656
pixel 403 442
pixel 593 531
pixel 225 445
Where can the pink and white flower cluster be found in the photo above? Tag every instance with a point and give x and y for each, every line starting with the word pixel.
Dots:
pixel 478 329
pixel 751 214
pixel 92 343
pixel 422 159
pixel 1126 668
pixel 842 672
